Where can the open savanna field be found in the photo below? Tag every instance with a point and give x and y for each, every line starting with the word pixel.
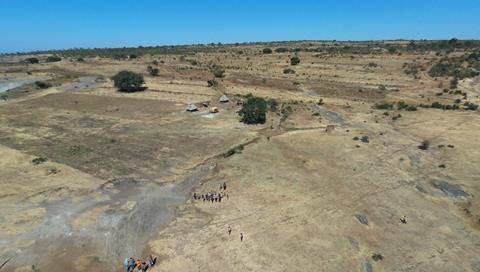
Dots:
pixel 367 161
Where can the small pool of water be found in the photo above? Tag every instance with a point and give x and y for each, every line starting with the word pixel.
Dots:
pixel 5 86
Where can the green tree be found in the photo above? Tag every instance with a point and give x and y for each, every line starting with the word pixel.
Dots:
pixel 254 111
pixel 127 81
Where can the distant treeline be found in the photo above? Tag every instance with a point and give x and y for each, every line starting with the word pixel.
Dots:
pixel 345 47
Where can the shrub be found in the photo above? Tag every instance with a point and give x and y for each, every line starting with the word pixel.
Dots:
pixel 127 81
pixel 474 56
pixel 411 108
pixel 132 56
pixel 273 104
pixel 425 145
pixel 152 71
pixel 42 84
pixel 294 60
pixel 454 83
pixel 437 105
pixel 267 51
pixel 392 50
pixel 39 160
pixel 383 106
pixel 233 151
pixel 472 106
pixel 254 111
pixel 32 60
pixel 212 83
pixel 372 65
pixel 53 59
pixel 404 106
pixel 281 50
pixel 155 62
pixel 217 71
pixel 288 71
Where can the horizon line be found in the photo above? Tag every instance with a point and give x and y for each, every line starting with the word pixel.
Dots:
pixel 40 51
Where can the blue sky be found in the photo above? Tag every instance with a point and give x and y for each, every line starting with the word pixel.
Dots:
pixel 54 24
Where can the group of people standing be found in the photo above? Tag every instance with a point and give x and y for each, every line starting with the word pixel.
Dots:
pixel 212 197
pixel 130 264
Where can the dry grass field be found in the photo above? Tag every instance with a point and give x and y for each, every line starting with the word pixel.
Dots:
pixel 332 181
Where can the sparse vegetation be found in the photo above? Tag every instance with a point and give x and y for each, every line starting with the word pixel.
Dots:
pixel 453 68
pixel 153 71
pixel 236 150
pixel 53 59
pixel 127 81
pixel 383 106
pixel 273 104
pixel 39 160
pixel 212 83
pixel 217 71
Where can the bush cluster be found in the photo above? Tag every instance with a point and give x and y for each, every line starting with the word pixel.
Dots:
pixel 32 60
pixel 53 59
pixel 153 71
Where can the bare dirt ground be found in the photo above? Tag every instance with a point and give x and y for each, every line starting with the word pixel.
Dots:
pixel 91 175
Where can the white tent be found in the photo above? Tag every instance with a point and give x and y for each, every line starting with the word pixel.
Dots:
pixel 192 107
pixel 223 99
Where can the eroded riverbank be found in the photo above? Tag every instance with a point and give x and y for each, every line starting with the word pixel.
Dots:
pixel 98 231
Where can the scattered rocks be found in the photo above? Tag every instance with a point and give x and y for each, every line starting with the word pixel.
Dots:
pixel 353 242
pixel 420 189
pixel 414 160
pixel 362 218
pixel 451 190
